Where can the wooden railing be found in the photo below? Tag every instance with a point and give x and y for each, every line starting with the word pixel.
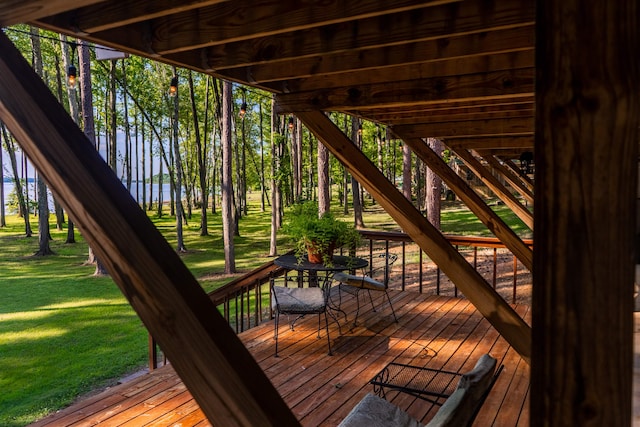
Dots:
pixel 246 301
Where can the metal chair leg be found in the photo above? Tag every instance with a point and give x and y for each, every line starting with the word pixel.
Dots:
pixel 391 305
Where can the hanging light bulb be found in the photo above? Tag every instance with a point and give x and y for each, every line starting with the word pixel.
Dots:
pixel 173 89
pixel 71 77
pixel 291 123
pixel 360 130
pixel 243 110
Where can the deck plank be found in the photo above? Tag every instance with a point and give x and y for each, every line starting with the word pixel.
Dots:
pixel 432 331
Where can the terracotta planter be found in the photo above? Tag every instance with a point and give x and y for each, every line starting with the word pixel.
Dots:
pixel 317 257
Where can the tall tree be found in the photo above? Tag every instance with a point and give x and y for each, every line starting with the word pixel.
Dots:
pixel 201 151
pixel 262 170
pixel 356 137
pixel 228 226
pixel 86 96
pixel 43 200
pixel 433 184
pixel 178 167
pixel 296 159
pixel 406 171
pixel 276 196
pixel 65 48
pixel 324 199
pixel 23 209
pixel 127 128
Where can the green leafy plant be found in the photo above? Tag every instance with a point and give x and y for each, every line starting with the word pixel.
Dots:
pixel 315 234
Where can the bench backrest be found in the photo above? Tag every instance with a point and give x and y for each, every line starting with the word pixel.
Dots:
pixel 461 408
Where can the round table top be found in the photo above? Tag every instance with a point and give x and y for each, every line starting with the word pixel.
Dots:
pixel 340 263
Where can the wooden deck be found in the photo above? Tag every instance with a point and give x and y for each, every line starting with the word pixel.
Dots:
pixel 437 332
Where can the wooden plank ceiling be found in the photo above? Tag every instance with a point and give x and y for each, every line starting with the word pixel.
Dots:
pixel 459 70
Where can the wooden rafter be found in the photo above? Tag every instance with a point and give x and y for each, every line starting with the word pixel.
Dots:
pixel 519 126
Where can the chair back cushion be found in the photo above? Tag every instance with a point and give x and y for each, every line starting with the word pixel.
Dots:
pixel 374 411
pixel 461 407
pixel 298 300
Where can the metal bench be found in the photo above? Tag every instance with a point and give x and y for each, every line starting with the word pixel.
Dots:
pixel 460 408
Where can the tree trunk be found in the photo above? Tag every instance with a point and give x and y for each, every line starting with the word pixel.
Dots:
pixel 406 171
pixel 150 205
pixel 324 200
pixel 296 159
pixel 127 129
pixel 86 103
pixel 73 108
pixel 17 182
pixel 356 137
pixel 433 184
pixel 180 247
pixel 276 220
pixel 201 152
pixel 43 200
pixel 59 212
pixel 113 129
pixel 263 190
pixel 228 225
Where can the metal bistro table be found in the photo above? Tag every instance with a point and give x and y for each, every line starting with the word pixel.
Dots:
pixel 321 274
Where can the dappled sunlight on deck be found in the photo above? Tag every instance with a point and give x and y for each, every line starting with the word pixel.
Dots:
pixel 433 331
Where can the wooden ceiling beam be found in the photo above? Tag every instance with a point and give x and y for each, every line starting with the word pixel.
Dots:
pixel 488 302
pixel 484 143
pixel 469 128
pixel 503 153
pixel 20 11
pixel 112 14
pixel 450 68
pixel 462 114
pixel 288 64
pixel 496 85
pixel 231 22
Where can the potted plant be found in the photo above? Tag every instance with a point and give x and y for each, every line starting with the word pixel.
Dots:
pixel 316 236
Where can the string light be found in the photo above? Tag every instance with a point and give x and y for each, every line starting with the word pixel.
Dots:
pixel 71 77
pixel 291 123
pixel 72 73
pixel 243 110
pixel 173 88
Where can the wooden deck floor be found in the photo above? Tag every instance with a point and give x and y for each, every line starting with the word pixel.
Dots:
pixel 437 332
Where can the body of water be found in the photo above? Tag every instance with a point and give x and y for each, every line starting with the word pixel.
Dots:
pixel 136 192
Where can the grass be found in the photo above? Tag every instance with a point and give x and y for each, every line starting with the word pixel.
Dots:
pixel 65 333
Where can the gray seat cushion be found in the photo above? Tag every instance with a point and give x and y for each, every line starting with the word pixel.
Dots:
pixel 363 282
pixel 295 300
pixel 374 411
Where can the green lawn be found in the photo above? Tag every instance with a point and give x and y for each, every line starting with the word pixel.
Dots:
pixel 65 333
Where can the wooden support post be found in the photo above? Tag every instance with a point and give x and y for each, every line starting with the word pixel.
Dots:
pixel 475 203
pixel 496 186
pixel 220 373
pixel 586 153
pixel 436 246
